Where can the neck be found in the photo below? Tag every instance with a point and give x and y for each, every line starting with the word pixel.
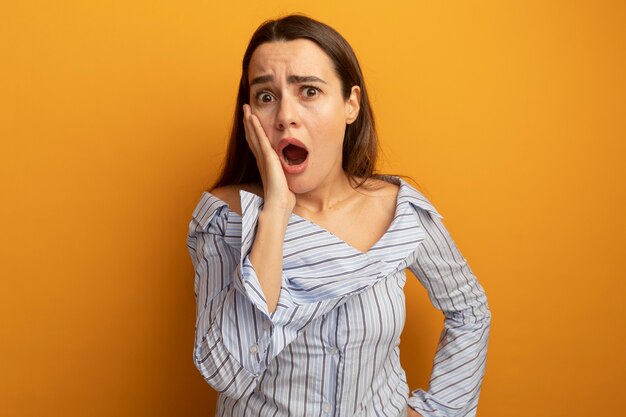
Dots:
pixel 326 196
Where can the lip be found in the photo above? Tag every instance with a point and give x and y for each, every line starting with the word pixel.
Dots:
pixel 291 169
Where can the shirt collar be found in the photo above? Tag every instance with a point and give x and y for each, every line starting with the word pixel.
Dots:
pixel 409 195
pixel 209 205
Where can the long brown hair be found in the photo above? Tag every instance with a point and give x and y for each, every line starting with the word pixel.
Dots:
pixel 360 145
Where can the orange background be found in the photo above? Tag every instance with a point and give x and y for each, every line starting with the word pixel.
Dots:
pixel 114 117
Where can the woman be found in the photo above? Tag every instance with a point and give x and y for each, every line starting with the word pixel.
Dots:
pixel 300 251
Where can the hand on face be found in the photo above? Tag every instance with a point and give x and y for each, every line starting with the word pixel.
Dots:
pixel 276 192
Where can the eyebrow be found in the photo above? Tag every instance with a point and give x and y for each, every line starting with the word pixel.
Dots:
pixel 292 79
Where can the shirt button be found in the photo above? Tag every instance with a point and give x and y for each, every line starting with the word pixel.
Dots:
pixel 254 349
pixel 326 407
pixel 267 324
pixel 333 350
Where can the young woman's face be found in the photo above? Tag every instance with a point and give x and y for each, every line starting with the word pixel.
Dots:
pixel 296 94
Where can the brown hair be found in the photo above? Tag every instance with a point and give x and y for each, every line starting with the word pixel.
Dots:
pixel 360 145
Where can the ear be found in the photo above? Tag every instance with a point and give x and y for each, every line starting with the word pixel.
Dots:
pixel 353 104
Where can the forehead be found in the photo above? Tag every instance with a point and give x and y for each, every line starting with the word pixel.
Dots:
pixel 297 57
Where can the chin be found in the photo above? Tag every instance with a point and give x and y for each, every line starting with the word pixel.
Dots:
pixel 299 185
pixel 307 181
pixel 314 176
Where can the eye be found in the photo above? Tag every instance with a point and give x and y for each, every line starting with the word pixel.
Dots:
pixel 264 97
pixel 310 91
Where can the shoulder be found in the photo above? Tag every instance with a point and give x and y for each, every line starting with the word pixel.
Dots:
pixel 378 195
pixel 230 194
pixel 417 200
pixel 402 193
pixel 380 188
pixel 211 212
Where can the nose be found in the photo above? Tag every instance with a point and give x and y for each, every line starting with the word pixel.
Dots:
pixel 287 115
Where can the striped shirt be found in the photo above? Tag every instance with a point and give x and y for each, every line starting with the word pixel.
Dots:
pixel 331 346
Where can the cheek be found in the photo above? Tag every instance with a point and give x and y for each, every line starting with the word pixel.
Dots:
pixel 267 121
pixel 267 125
pixel 331 124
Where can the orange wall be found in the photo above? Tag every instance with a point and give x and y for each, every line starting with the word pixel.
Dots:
pixel 113 119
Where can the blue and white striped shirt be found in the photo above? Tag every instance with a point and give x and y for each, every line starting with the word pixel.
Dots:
pixel 331 346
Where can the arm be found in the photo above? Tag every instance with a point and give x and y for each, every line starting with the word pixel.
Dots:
pixel 235 298
pixel 233 326
pixel 266 254
pixel 460 360
pixel 226 325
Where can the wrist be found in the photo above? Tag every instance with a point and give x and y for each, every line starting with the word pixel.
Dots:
pixel 274 215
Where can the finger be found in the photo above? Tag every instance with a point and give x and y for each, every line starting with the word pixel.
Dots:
pixel 251 138
pixel 253 143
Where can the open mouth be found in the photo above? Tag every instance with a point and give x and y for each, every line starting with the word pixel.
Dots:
pixel 293 155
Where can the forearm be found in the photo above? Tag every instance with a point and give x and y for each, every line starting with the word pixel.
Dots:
pixel 413 413
pixel 266 254
pixel 221 343
pixel 460 360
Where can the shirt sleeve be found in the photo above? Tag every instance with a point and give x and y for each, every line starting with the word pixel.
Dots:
pixel 231 332
pixel 236 336
pixel 460 359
